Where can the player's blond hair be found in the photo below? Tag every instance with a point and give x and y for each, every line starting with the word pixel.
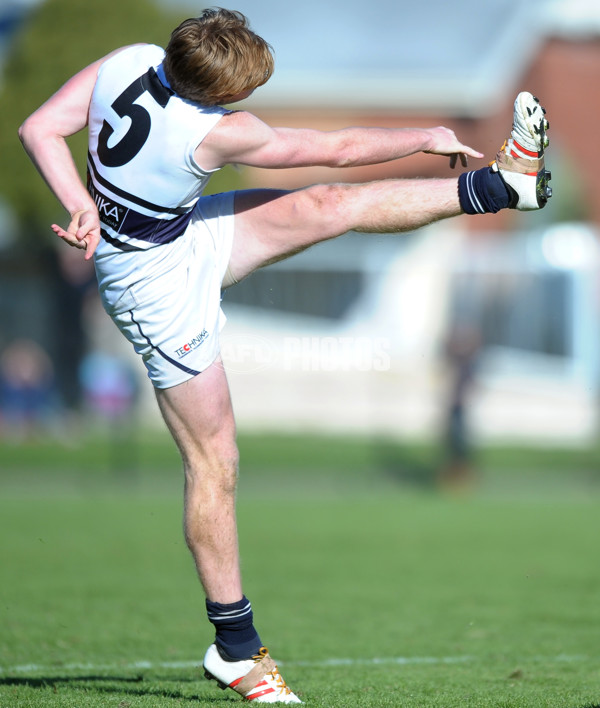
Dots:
pixel 216 56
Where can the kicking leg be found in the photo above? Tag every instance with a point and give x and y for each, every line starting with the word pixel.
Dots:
pixel 271 224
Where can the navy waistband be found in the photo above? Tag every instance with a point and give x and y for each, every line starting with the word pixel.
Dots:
pixel 128 222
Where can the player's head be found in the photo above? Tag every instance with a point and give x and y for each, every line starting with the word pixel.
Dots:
pixel 216 57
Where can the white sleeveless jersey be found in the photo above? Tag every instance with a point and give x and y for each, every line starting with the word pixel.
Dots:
pixel 142 137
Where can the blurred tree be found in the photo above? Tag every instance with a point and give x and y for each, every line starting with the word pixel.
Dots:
pixel 59 38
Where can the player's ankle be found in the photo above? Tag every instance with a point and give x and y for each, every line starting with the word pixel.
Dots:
pixel 236 637
pixel 482 191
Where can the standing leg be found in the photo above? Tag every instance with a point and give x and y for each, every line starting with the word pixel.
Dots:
pixel 200 417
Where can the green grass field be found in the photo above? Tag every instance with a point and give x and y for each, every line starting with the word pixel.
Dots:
pixel 370 587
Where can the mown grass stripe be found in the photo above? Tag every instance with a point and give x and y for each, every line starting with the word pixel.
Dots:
pixel 191 664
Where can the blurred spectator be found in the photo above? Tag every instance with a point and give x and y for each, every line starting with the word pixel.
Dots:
pixel 462 354
pixel 109 386
pixel 75 283
pixel 110 393
pixel 27 389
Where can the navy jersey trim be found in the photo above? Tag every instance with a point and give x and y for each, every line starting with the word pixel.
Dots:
pixel 131 224
pixel 131 197
pixel 127 247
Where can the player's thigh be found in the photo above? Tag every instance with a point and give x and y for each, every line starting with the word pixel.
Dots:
pixel 200 417
pixel 273 224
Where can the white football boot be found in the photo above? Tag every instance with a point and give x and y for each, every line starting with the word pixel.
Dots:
pixel 257 679
pixel 520 160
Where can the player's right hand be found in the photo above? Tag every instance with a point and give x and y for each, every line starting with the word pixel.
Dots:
pixel 82 232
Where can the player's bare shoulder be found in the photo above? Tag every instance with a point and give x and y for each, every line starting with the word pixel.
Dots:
pixel 232 139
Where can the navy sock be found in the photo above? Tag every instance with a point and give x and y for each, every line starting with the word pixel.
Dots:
pixel 482 192
pixel 236 637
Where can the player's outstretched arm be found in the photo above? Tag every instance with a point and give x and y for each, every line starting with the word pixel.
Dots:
pixel 44 134
pixel 242 138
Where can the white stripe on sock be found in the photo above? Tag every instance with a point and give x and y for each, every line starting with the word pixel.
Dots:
pixel 472 196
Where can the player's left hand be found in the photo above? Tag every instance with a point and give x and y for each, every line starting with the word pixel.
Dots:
pixel 445 142
pixel 463 160
pixel 82 232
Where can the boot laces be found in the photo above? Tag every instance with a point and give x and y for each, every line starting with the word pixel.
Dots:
pixel 502 149
pixel 274 674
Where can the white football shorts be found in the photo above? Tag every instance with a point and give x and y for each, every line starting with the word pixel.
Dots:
pixel 166 300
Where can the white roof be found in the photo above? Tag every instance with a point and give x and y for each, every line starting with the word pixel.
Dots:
pixel 457 58
pixel 430 56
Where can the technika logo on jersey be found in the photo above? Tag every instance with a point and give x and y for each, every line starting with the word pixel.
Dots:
pixel 111 213
pixel 194 343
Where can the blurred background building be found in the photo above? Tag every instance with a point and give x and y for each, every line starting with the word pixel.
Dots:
pixel 388 334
